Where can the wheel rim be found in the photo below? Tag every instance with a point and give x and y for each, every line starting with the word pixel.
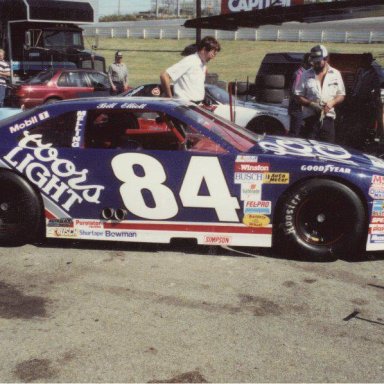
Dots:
pixel 324 220
pixel 10 213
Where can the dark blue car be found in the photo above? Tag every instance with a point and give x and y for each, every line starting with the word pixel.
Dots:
pixel 153 170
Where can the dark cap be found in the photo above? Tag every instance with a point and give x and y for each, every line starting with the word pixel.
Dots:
pixel 119 54
pixel 318 53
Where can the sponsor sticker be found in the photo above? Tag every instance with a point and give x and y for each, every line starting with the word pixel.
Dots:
pixel 256 220
pixel 55 176
pixel 378 208
pixel 260 206
pixel 247 177
pixel 29 122
pixel 64 222
pixel 251 191
pixel 85 223
pixel 119 234
pixel 65 232
pixel 91 233
pixel 377 180
pixel 217 239
pixel 377 229
pixel 80 122
pixel 376 192
pixel 156 91
pixel 377 220
pixel 275 178
pixel 328 168
pixel 251 167
pixel 246 159
pixel 376 238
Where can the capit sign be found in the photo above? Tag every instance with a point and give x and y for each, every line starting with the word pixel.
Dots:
pixel 229 6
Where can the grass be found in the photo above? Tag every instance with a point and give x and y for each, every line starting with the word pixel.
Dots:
pixel 236 61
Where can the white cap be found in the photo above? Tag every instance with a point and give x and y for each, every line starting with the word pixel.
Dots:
pixel 318 53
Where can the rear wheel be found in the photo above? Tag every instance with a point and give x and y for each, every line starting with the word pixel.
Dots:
pixel 20 210
pixel 321 220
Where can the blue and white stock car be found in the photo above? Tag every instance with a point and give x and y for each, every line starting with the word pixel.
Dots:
pixel 153 170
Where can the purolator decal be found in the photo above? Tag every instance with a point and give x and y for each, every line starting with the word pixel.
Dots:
pixel 55 177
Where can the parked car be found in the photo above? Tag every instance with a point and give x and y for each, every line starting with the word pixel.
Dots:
pixel 153 170
pixel 257 117
pixel 59 84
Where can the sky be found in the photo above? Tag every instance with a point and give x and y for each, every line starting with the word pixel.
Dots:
pixel 109 7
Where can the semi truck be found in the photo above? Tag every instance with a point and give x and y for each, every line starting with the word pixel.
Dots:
pixel 41 34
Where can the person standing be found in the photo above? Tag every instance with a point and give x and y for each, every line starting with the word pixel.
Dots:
pixel 320 89
pixel 295 109
pixel 188 75
pixel 118 75
pixel 5 74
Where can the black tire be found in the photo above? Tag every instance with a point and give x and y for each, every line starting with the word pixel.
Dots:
pixel 274 81
pixel 320 220
pixel 20 211
pixel 265 125
pixel 273 95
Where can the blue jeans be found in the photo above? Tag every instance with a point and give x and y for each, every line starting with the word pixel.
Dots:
pixel 3 88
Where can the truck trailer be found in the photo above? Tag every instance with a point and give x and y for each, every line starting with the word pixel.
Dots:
pixel 41 34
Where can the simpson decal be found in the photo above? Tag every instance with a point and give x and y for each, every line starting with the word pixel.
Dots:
pixel 217 240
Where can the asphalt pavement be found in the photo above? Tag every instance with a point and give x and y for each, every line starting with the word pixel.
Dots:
pixel 100 312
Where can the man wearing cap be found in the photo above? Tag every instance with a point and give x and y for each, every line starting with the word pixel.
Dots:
pixel 188 75
pixel 320 89
pixel 118 75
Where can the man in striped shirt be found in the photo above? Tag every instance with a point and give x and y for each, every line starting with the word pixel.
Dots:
pixel 5 73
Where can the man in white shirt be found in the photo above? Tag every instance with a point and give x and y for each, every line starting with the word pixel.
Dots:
pixel 188 75
pixel 5 74
pixel 321 88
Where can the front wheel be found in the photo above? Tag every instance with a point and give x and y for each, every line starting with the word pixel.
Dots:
pixel 20 211
pixel 321 220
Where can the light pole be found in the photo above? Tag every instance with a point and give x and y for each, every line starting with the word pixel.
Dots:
pixel 198 15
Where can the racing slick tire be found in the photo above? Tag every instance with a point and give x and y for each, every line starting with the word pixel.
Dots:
pixel 266 125
pixel 20 210
pixel 320 220
pixel 274 96
pixel 274 81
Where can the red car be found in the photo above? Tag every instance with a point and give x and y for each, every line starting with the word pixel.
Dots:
pixel 59 84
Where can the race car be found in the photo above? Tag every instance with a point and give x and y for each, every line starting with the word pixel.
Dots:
pixel 257 117
pixel 154 170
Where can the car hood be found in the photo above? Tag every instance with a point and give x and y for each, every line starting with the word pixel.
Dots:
pixel 261 106
pixel 305 150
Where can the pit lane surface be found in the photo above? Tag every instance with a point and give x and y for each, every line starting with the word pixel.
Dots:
pixel 98 312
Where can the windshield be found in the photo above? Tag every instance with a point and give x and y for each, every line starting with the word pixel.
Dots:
pixel 236 136
pixel 59 39
pixel 41 78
